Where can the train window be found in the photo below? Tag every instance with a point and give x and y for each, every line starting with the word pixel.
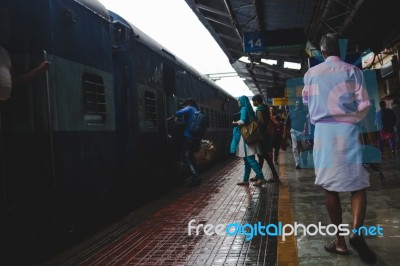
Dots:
pixel 224 121
pixel 207 112
pixel 220 120
pixel 150 110
pixel 94 99
pixel 216 115
pixel 212 119
pixel 216 119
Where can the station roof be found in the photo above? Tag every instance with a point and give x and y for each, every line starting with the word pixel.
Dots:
pixel 367 24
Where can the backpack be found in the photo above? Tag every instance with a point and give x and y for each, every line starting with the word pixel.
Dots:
pixel 199 124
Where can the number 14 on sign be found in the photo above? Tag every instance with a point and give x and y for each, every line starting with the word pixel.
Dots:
pixel 253 42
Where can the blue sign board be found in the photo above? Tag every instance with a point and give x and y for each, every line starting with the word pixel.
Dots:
pixel 257 41
pixel 254 41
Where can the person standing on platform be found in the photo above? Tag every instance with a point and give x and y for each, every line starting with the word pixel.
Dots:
pixel 337 102
pixel 189 144
pixel 264 122
pixel 243 150
pixel 396 110
pixel 296 124
pixel 277 133
pixel 385 121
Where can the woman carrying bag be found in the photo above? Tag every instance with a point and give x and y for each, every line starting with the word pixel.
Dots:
pixel 243 150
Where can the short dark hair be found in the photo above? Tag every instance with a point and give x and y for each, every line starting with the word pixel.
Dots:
pixel 330 44
pixel 257 98
pixel 189 101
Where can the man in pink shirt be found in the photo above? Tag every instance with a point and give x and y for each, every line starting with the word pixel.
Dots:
pixel 337 101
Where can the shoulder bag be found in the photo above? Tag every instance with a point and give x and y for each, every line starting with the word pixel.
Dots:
pixel 251 132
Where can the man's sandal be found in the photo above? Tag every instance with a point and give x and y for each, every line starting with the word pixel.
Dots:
pixel 332 247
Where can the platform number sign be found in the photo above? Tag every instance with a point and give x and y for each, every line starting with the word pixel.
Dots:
pixel 254 41
pixel 257 41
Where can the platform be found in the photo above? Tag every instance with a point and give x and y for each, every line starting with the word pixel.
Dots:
pixel 157 233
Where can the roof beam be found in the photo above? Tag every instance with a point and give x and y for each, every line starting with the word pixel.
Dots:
pixel 232 15
pixel 279 70
pixel 351 16
pixel 213 10
pixel 229 38
pixel 220 22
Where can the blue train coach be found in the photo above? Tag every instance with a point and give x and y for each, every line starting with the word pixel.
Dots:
pixel 89 140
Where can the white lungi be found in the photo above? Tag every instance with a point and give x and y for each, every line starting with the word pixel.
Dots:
pixel 338 158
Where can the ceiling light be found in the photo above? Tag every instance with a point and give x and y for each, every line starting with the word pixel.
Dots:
pixel 245 59
pixel 269 61
pixel 292 65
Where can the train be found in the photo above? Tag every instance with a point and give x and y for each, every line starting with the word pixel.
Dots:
pixel 89 141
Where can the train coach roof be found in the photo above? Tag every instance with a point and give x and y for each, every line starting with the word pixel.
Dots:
pixel 157 47
pixel 96 7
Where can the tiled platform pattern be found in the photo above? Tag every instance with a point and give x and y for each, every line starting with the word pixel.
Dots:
pixel 157 233
pixel 162 236
pixel 308 204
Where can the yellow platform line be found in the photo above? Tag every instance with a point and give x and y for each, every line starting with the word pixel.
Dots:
pixel 287 250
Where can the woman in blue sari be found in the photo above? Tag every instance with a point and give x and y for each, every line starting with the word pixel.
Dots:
pixel 243 150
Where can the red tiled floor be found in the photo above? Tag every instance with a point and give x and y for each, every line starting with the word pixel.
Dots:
pixel 162 237
pixel 156 234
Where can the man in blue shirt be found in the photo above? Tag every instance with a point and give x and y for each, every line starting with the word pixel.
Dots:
pixel 296 122
pixel 190 144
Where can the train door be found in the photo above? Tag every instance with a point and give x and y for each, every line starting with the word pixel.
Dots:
pixel 125 121
pixel 174 129
pixel 22 155
pixel 169 89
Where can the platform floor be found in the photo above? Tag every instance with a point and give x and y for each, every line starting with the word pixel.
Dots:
pixel 157 233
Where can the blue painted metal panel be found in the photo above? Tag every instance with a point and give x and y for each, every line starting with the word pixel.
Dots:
pixel 254 41
pixel 63 28
pixel 258 41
